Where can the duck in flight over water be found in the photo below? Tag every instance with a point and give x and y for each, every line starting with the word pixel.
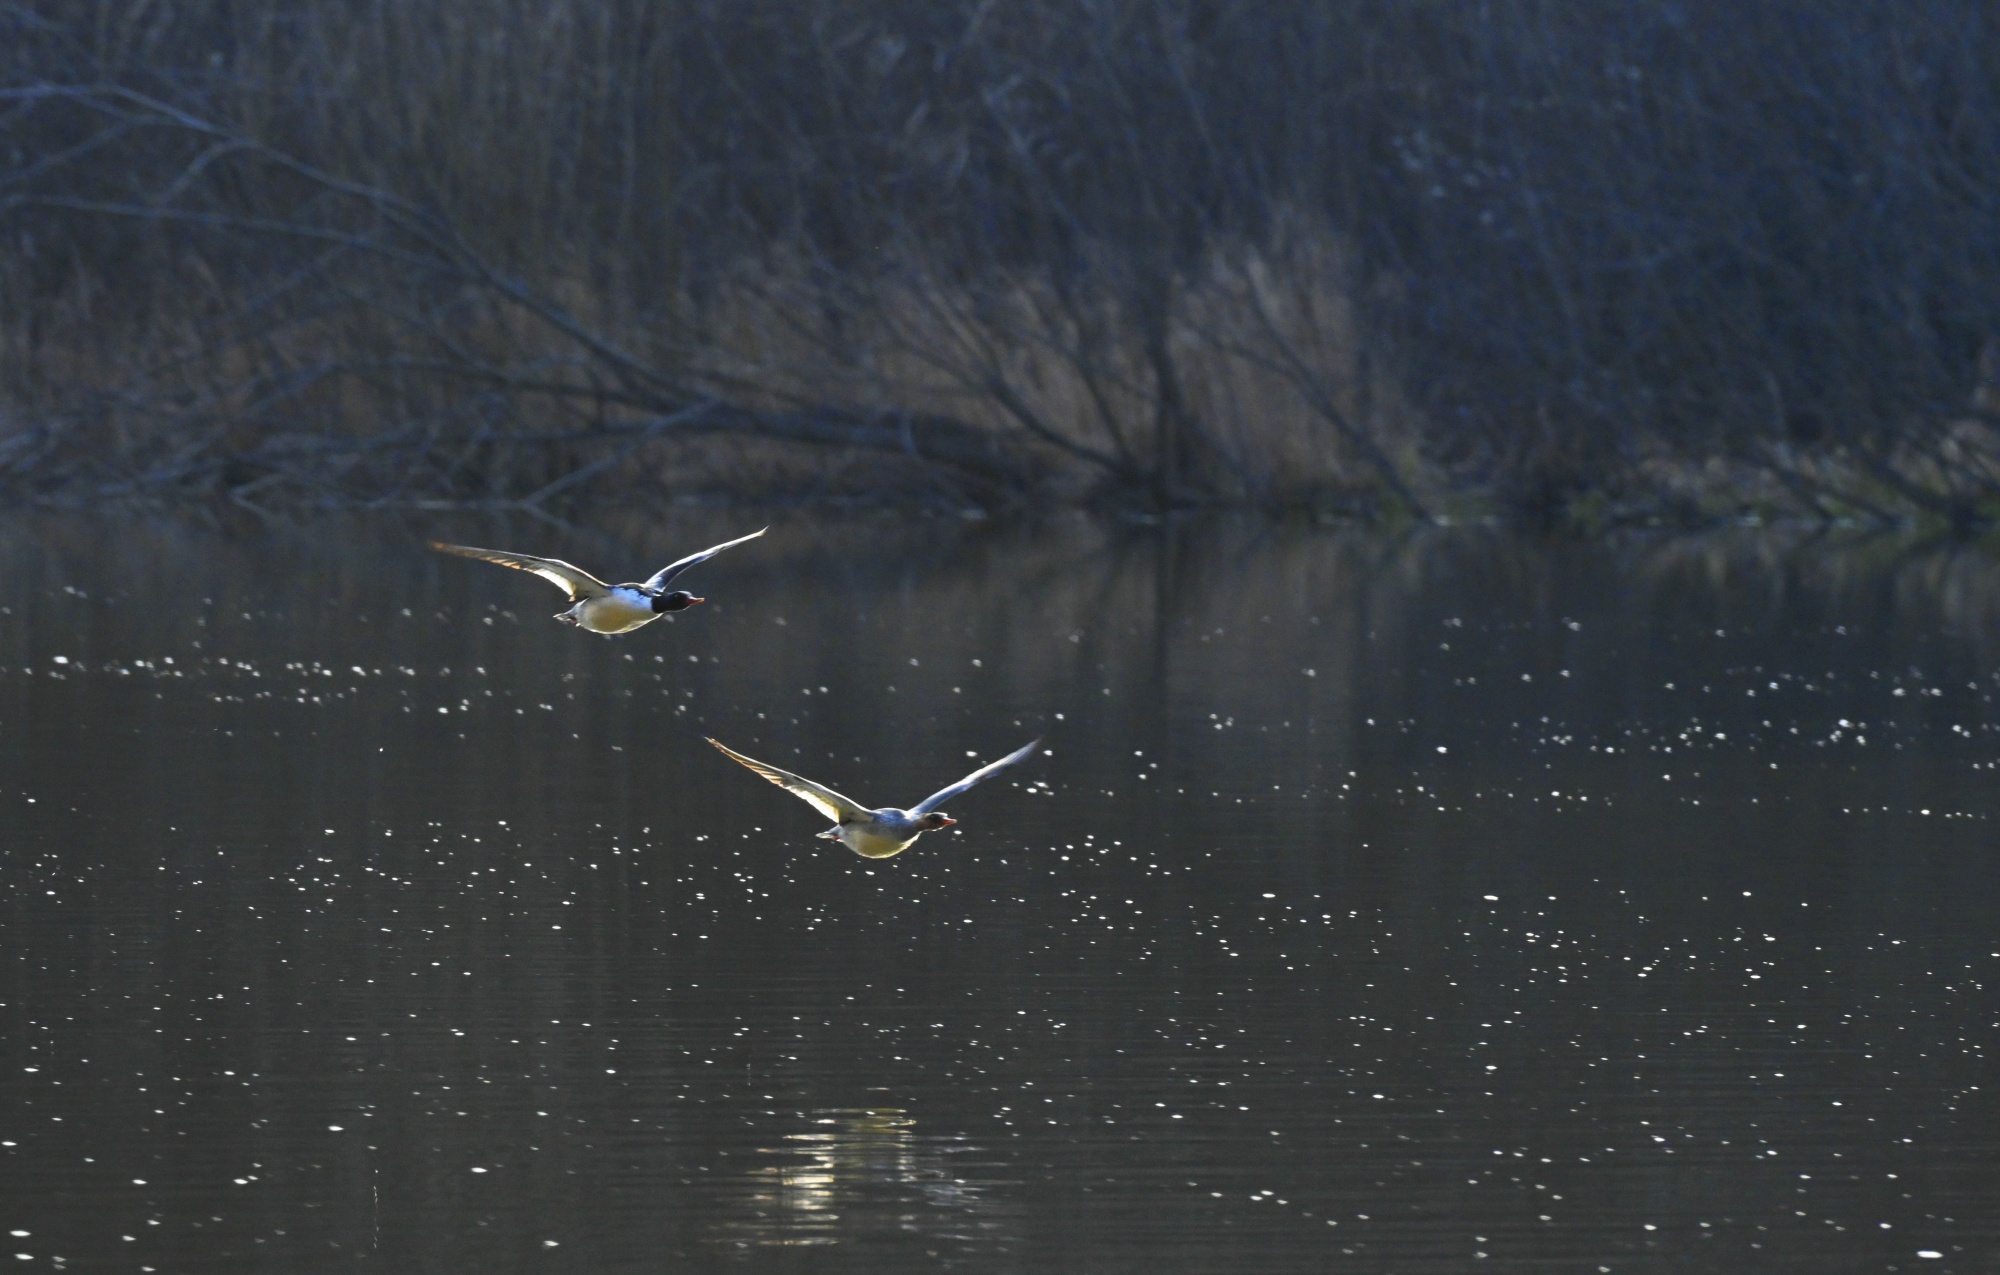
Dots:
pixel 600 607
pixel 876 834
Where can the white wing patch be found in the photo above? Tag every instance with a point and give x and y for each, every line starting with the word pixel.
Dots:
pixel 574 581
pixel 825 800
pixel 943 795
pixel 664 576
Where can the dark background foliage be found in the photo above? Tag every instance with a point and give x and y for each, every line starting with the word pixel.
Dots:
pixel 1577 251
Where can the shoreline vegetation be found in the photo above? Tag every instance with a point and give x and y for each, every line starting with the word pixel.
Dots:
pixel 1558 262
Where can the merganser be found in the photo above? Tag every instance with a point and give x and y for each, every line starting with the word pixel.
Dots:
pixel 876 834
pixel 600 607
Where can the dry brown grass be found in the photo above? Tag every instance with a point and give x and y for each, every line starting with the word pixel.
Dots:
pixel 1564 260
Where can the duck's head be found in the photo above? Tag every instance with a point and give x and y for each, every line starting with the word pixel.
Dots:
pixel 933 821
pixel 678 600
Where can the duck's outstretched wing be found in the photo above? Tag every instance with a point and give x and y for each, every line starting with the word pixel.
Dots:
pixel 985 772
pixel 825 800
pixel 575 581
pixel 665 575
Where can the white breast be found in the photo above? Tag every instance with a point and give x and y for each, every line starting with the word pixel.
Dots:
pixel 619 611
pixel 874 843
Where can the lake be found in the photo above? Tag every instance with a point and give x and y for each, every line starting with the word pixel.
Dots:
pixel 1424 903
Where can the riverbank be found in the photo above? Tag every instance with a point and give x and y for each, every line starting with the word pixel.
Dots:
pixel 1565 265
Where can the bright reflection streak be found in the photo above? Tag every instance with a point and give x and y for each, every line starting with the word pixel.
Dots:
pixel 858 1173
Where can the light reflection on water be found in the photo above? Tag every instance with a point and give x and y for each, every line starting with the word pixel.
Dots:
pixel 1385 903
pixel 856 1174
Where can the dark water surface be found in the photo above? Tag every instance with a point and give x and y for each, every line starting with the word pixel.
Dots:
pixel 1445 903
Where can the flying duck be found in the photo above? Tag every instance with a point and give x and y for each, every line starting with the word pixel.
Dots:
pixel 876 834
pixel 600 607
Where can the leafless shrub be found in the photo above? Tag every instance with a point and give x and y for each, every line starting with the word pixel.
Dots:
pixel 1653 260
